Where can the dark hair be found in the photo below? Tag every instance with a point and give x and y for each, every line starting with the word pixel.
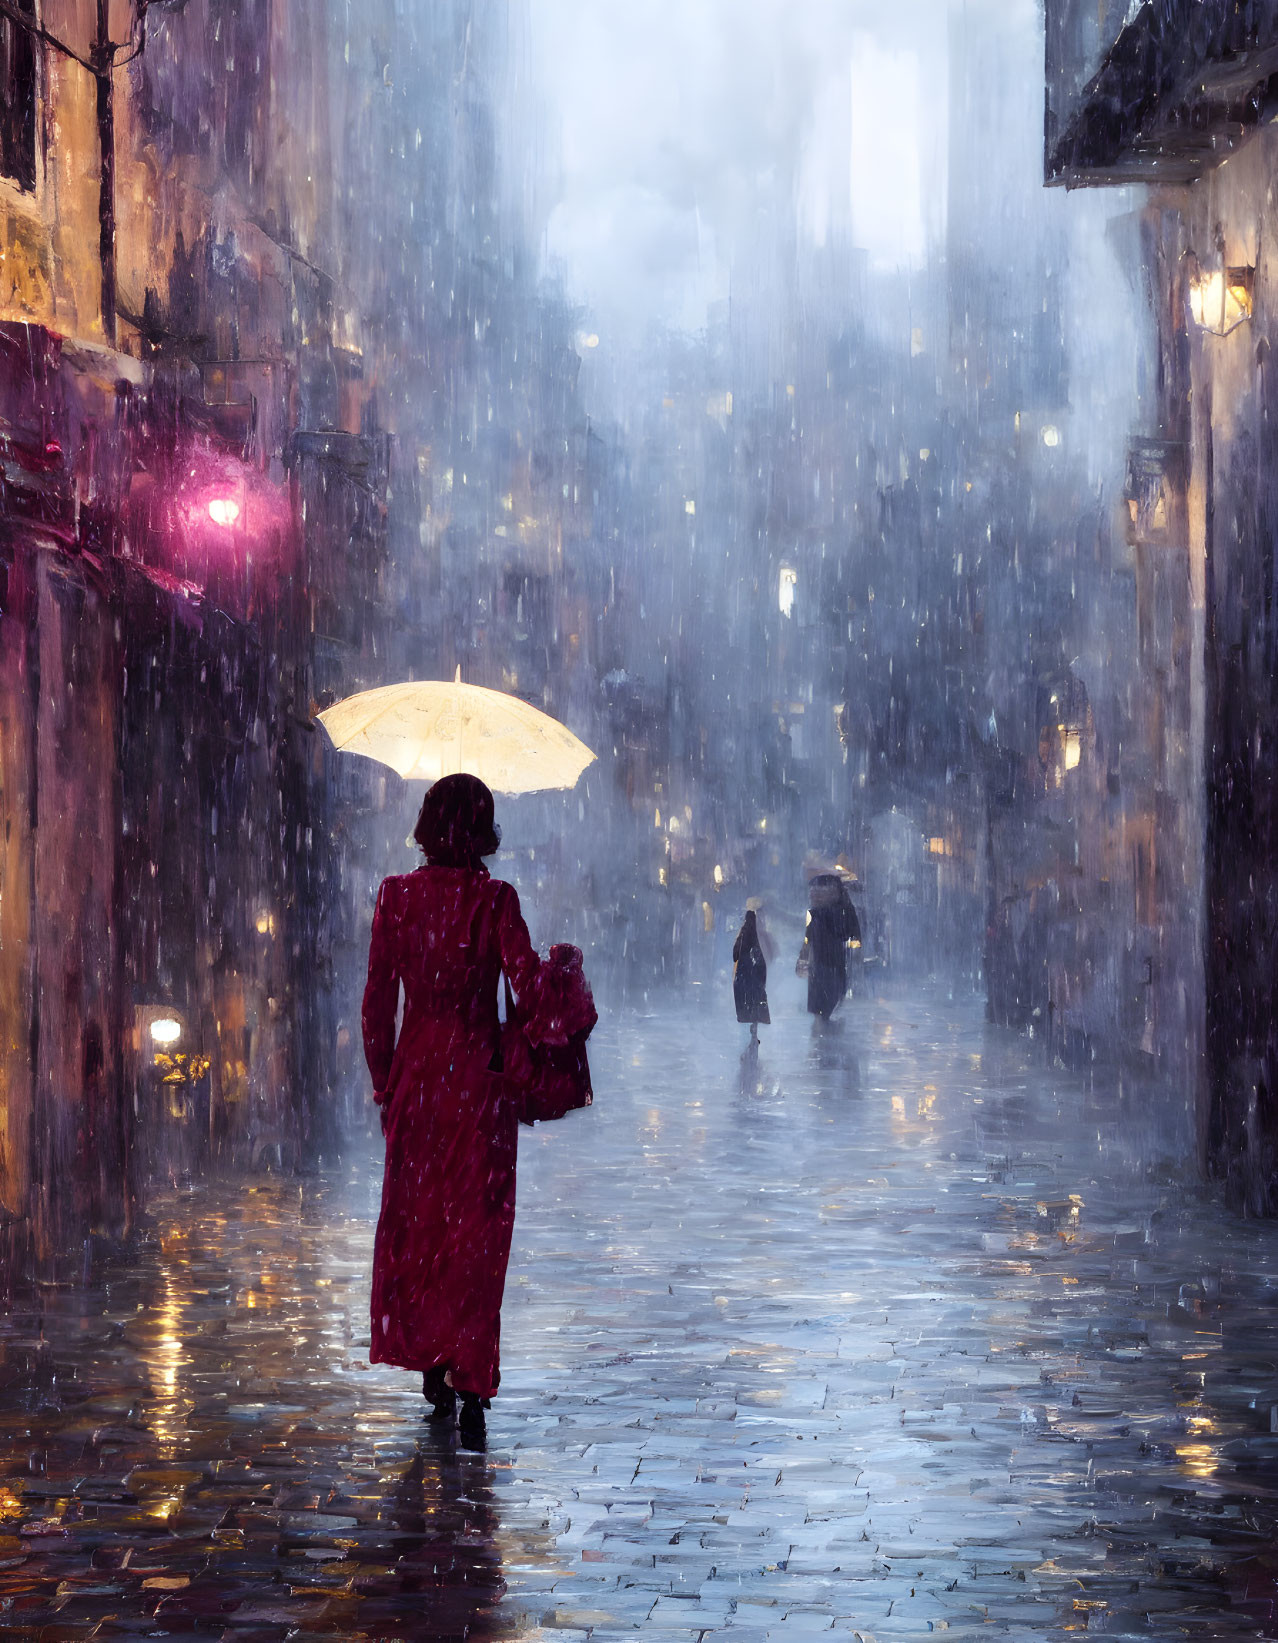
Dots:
pixel 456 827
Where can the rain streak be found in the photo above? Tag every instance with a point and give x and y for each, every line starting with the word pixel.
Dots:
pixel 638 855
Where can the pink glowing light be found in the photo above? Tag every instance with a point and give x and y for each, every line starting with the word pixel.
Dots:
pixel 223 510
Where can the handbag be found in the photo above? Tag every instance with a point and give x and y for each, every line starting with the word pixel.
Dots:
pixel 552 1078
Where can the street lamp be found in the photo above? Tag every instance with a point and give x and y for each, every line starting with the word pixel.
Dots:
pixel 223 510
pixel 1220 299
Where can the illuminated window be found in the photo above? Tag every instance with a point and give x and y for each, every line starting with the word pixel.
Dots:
pixel 785 590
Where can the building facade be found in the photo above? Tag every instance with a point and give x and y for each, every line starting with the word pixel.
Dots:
pixel 194 489
pixel 283 414
pixel 1180 97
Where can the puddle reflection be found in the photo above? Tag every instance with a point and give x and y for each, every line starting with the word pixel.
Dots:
pixel 440 1566
pixel 204 1445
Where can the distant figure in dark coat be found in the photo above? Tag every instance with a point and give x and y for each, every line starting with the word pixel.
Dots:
pixel 750 977
pixel 832 923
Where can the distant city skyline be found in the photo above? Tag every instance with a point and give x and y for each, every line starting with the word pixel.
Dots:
pixel 668 127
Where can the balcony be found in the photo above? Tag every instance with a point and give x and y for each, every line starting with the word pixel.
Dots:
pixel 1155 91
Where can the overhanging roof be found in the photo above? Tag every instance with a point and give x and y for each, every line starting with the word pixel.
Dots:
pixel 1185 83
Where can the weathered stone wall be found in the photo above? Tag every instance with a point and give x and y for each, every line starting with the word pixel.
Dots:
pixel 1219 398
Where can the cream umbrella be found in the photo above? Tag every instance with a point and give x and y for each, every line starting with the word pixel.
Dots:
pixel 432 728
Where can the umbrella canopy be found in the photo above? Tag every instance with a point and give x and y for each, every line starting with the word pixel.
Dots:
pixel 433 728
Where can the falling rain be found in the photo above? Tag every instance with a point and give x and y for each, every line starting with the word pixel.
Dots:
pixel 638 919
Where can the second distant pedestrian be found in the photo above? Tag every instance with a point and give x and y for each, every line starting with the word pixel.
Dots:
pixel 832 924
pixel 750 977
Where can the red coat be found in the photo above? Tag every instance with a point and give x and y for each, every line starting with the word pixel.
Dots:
pixel 448 1196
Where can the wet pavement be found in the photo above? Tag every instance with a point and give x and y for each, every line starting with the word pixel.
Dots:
pixel 892 1332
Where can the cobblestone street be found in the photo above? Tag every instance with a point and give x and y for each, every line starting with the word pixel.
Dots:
pixel 884 1335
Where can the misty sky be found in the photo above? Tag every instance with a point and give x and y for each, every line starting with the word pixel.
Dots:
pixel 669 122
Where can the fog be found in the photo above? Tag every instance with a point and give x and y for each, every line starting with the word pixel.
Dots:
pixel 720 379
pixel 862 387
pixel 814 460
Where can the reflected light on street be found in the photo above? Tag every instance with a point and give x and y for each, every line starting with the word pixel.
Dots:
pixel 167 1357
pixel 1198 1459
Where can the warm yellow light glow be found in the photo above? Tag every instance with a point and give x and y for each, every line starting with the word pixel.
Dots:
pixel 1221 300
pixel 689 506
pixel 165 1358
pixel 718 877
pixel 938 847
pixel 1073 744
pixel 166 1029
pixel 1051 437
pixel 264 923
pixel 1198 1459
pixel 223 510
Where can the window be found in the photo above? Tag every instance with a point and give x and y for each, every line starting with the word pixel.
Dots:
pixel 18 96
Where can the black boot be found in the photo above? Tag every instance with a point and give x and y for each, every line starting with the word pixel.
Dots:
pixel 441 1395
pixel 470 1424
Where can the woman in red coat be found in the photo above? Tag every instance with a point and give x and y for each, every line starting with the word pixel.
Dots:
pixel 445 932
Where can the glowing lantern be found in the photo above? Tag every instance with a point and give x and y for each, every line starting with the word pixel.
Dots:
pixel 166 1029
pixel 1221 299
pixel 223 510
